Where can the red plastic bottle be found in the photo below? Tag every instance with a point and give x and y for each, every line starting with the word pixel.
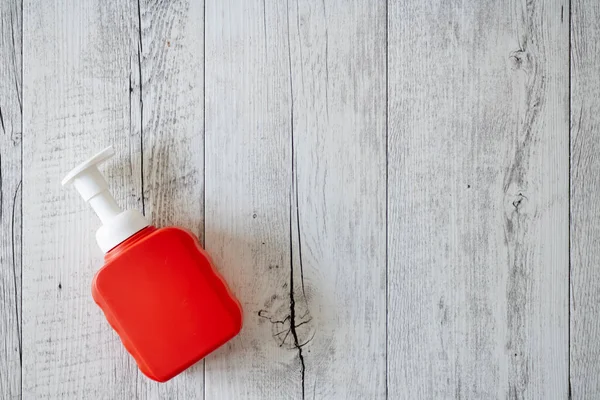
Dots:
pixel 158 288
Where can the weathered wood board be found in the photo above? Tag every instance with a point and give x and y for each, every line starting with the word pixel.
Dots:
pixel 98 74
pixel 295 195
pixel 585 188
pixel 10 199
pixel 478 199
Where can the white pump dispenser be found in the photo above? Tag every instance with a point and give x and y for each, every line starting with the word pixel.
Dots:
pixel 117 225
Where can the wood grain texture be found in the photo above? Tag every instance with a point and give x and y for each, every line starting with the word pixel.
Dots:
pixel 585 212
pixel 248 192
pixel 172 140
pixel 10 199
pixel 295 183
pixel 339 175
pixel 130 76
pixel 323 191
pixel 478 199
pixel 81 66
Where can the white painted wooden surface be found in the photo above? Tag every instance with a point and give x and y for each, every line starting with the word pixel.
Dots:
pixel 585 186
pixel 10 199
pixel 478 200
pixel 102 88
pixel 78 78
pixel 295 195
pixel 384 184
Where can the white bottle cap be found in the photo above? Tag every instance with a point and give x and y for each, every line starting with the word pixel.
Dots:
pixel 117 225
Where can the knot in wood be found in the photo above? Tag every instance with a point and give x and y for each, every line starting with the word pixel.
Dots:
pixel 521 60
pixel 518 201
pixel 518 205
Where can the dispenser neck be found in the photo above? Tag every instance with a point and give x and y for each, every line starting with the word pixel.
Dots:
pixel 105 206
pixel 117 225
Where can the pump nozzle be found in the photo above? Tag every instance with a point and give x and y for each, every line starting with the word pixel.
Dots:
pixel 92 186
pixel 118 225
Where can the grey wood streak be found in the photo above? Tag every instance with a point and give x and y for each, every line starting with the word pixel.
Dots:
pixel 478 199
pixel 295 195
pixel 101 73
pixel 585 189
pixel 10 199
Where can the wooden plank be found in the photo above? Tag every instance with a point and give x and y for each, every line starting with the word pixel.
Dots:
pixel 295 139
pixel 478 199
pixel 585 186
pixel 127 76
pixel 248 142
pixel 81 91
pixel 338 61
pixel 10 198
pixel 172 66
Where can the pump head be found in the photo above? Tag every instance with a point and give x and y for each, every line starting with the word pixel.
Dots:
pixel 117 225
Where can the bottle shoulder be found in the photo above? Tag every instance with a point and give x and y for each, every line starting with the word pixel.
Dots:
pixel 156 238
pixel 169 244
pixel 175 230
